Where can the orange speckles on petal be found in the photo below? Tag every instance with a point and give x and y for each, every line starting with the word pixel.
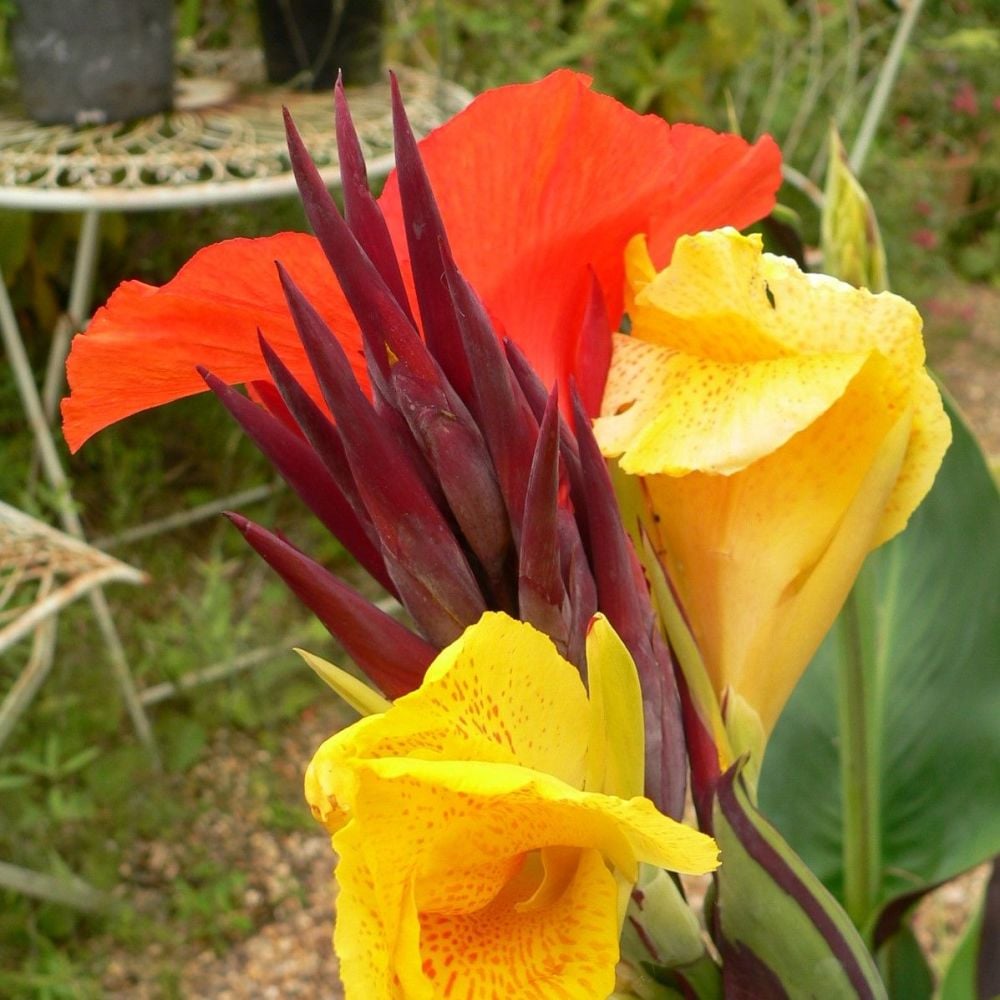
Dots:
pixel 566 950
pixel 763 409
pixel 487 873
pixel 719 417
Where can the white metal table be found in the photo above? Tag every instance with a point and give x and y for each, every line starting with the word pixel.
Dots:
pixel 225 147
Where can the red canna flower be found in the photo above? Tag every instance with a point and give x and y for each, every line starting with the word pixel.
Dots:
pixel 456 483
pixel 412 396
pixel 539 186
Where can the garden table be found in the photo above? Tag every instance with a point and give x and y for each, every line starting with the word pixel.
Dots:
pixel 223 144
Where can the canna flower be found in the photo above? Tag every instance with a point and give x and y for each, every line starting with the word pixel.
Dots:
pixel 454 480
pixel 407 364
pixel 780 426
pixel 477 857
pixel 540 187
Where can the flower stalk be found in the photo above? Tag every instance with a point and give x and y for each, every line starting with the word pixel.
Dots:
pixel 859 767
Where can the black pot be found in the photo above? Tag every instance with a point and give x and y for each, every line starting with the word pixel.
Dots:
pixel 87 61
pixel 307 41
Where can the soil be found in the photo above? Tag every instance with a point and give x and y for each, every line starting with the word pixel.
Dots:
pixel 288 889
pixel 285 888
pixel 963 346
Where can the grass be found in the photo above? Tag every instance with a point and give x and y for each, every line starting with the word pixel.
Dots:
pixel 76 793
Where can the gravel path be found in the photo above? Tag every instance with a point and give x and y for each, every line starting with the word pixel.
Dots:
pixel 283 885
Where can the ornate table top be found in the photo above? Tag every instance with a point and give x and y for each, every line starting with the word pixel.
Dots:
pixel 228 145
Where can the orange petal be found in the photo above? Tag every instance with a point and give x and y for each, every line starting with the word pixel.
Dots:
pixel 719 180
pixel 539 182
pixel 141 349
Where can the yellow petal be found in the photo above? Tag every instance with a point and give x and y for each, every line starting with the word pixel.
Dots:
pixel 711 302
pixel 616 750
pixel 500 693
pixel 722 416
pixel 723 300
pixel 639 380
pixel 814 603
pixel 432 814
pixel 360 938
pixel 321 788
pixel 565 950
pixel 639 270
pixel 930 436
pixel 642 380
pixel 504 681
pixel 817 314
pixel 421 830
pixel 467 887
pixel 739 548
pixel 555 869
pixel 765 409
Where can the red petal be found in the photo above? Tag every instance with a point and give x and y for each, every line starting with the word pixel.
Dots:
pixel 141 349
pixel 536 184
pixel 539 182
pixel 718 180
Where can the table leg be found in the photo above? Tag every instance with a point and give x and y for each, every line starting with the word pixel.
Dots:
pixel 77 311
pixel 26 686
pixel 67 891
pixel 66 509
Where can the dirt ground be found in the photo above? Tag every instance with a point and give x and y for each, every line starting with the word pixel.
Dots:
pixel 963 344
pixel 289 891
pixel 287 894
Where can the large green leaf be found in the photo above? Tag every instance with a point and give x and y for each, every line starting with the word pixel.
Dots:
pixel 933 619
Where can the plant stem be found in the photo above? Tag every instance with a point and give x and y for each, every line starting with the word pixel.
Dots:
pixel 883 88
pixel 859 783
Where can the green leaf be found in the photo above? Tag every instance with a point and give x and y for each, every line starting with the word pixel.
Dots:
pixel 933 631
pixel 780 933
pixel 905 969
pixel 13 782
pixel 183 740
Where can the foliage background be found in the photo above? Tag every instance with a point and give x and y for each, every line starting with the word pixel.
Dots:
pixel 75 793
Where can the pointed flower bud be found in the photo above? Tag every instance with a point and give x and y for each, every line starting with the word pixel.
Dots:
pixel 849 235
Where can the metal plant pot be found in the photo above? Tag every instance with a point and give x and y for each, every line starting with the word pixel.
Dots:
pixel 87 61
pixel 307 41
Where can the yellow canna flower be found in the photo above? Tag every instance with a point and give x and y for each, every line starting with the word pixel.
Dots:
pixel 783 425
pixel 472 861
